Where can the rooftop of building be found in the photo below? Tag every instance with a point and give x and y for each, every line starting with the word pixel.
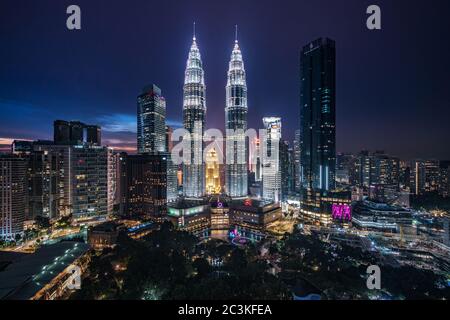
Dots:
pixel 109 226
pixel 186 203
pixel 22 279
pixel 255 205
pixel 380 208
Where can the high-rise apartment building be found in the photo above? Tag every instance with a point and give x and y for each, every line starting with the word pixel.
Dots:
pixel 13 196
pixel 286 169
pixel 45 183
pixel 50 189
pixel 89 180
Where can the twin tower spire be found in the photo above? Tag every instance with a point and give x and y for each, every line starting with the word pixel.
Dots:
pixel 194 113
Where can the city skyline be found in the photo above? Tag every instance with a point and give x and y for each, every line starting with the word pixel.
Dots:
pixel 410 126
pixel 287 186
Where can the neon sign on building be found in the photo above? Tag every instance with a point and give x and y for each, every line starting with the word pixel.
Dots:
pixel 341 212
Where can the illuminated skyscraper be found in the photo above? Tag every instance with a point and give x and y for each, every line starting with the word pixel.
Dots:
pixel 13 195
pixel 297 166
pixel 194 113
pixel 255 159
pixel 271 174
pixel 236 122
pixel 151 121
pixel 318 116
pixel 146 186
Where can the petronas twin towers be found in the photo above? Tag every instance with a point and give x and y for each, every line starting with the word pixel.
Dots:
pixel 194 120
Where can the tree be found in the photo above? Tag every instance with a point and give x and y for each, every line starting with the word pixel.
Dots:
pixel 42 222
pixel 202 267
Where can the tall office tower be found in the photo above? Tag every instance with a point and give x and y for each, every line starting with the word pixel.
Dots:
pixel 76 133
pixel 89 180
pixel 172 183
pixel 61 132
pixel 77 129
pixel 258 169
pixel 291 171
pixel 194 114
pixel 271 175
pixel 172 168
pixel 212 173
pixel 236 124
pixel 318 114
pixel 255 159
pixel 297 154
pixel 151 121
pixel 285 170
pixel 146 186
pixel 13 196
pixel 418 176
pixel 93 134
pixel 169 142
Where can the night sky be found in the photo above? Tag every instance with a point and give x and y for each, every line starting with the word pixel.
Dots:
pixel 392 85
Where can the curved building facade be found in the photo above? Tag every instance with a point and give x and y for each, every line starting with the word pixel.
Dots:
pixel 194 115
pixel 236 124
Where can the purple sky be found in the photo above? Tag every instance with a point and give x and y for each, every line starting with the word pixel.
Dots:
pixel 392 85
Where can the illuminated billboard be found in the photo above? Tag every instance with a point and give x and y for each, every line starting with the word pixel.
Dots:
pixel 341 212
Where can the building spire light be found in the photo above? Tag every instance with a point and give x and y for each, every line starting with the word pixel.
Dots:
pixel 236 34
pixel 193 37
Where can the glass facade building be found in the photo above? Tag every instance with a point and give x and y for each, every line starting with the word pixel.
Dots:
pixel 271 174
pixel 194 117
pixel 318 115
pixel 236 125
pixel 151 121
